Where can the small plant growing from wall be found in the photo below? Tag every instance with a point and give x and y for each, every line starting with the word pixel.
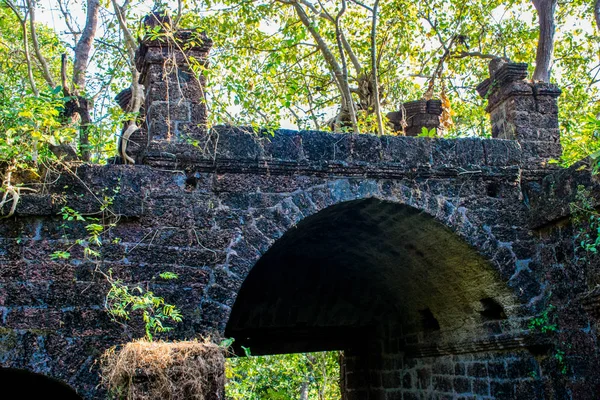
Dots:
pixel 587 219
pixel 546 323
pixel 122 301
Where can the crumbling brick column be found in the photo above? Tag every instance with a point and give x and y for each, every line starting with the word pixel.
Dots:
pixel 174 103
pixel 416 115
pixel 522 110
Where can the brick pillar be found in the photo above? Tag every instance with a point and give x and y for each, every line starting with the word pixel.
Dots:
pixel 522 110
pixel 174 104
pixel 417 115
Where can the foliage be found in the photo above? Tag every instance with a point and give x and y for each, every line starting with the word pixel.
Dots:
pixel 430 133
pixel 272 72
pixel 122 300
pixel 587 219
pixel 28 124
pixel 545 322
pixel 283 377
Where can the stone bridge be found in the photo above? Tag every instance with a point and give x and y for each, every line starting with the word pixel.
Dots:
pixel 424 260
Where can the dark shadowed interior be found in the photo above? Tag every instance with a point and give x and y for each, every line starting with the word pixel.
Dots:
pixel 26 385
pixel 353 268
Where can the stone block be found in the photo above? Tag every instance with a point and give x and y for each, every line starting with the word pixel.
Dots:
pixel 284 145
pixel 540 151
pixel 442 368
pixel 523 103
pixel 423 378
pixel 366 148
pixel 391 380
pixel 477 369
pixel 460 369
pixel 546 105
pixel 321 146
pixel 496 370
pixel 408 151
pixel 407 380
pixel 442 384
pixel 198 113
pixel 502 390
pixel 521 368
pixel 411 396
pixel 481 387
pixel 461 384
pixel 166 111
pixel 521 119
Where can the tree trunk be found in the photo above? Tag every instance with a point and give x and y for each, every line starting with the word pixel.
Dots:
pixel 84 46
pixel 82 56
pixel 545 47
pixel 377 105
pixel 304 391
pixel 36 45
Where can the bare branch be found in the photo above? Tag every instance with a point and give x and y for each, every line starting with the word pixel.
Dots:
pixel 23 22
pixel 36 46
pixel 327 16
pixel 366 7
pixel 68 21
pixel 63 75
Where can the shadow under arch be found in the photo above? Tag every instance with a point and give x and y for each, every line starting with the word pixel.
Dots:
pixel 363 268
pixel 26 385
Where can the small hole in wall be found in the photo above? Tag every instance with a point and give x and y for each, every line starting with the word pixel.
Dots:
pixel 493 189
pixel 539 350
pixel 430 323
pixel 191 183
pixel 492 310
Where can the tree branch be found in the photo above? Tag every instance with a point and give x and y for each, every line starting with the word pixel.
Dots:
pixel 36 46
pixel 366 7
pixel 82 56
pixel 68 21
pixel 84 45
pixel 545 47
pixel 23 22
pixel 374 69
pixel 345 87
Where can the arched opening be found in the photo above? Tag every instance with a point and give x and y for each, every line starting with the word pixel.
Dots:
pixel 366 276
pixel 26 385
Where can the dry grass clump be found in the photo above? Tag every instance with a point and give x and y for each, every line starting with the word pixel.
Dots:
pixel 143 370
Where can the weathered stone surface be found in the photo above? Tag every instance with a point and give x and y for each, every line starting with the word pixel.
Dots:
pixel 231 206
pixel 389 248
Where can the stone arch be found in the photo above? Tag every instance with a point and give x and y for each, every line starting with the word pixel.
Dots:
pixel 27 385
pixel 263 225
pixel 360 268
